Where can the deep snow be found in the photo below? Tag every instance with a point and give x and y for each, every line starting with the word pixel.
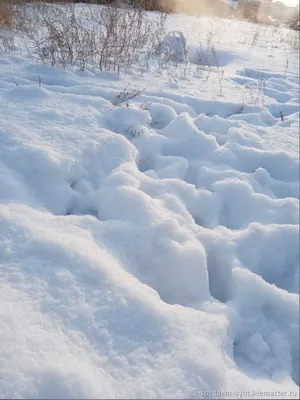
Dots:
pixel 151 251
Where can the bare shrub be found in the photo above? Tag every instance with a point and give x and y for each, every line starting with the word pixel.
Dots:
pixel 156 5
pixel 256 35
pixel 8 24
pixel 207 59
pixel 111 37
pixel 6 14
pixel 126 95
pixel 292 39
pixel 7 40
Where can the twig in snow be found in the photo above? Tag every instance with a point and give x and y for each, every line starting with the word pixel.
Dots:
pixel 126 95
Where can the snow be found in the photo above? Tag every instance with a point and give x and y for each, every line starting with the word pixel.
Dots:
pixel 174 46
pixel 151 250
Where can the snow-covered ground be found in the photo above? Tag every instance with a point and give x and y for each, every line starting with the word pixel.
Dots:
pixel 151 250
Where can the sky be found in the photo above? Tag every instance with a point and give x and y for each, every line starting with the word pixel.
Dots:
pixel 290 2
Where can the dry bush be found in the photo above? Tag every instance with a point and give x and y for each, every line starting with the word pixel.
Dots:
pixel 7 18
pixel 206 54
pixel 148 5
pixel 159 5
pixel 111 37
pixel 126 95
pixel 292 39
pixel 8 11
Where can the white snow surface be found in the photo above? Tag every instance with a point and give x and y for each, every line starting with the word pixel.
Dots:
pixel 151 251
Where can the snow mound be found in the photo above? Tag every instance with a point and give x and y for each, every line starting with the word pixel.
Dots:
pixel 174 47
